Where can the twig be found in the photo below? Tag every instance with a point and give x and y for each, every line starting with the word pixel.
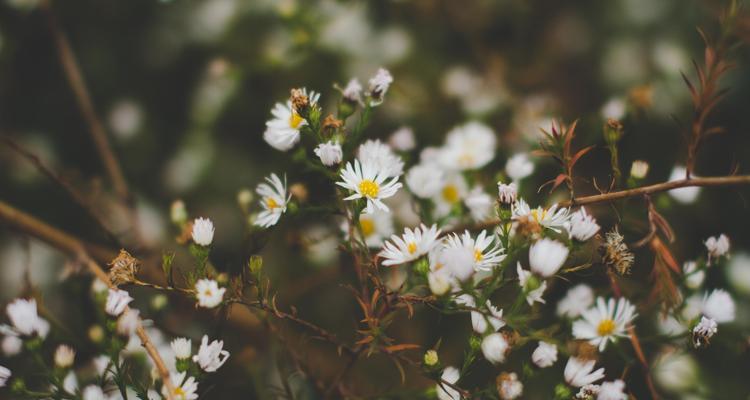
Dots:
pixel 78 249
pixel 83 98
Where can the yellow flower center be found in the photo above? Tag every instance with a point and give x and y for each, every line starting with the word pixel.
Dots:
pixel 606 327
pixel 295 120
pixel 450 194
pixel 478 256
pixel 412 247
pixel 539 217
pixel 368 227
pixel 369 188
pixel 179 393
pixel 271 203
pixel 466 159
pixel 207 293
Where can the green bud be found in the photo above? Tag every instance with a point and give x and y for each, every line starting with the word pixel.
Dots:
pixel 18 386
pixel 346 109
pixel 562 391
pixel 532 284
pixel 255 265
pixel 422 266
pixel 158 302
pixel 613 131
pixel 182 365
pixel 33 344
pixel 431 358
pixel 475 342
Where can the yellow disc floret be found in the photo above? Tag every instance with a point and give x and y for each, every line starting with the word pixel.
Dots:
pixel 369 188
pixel 606 327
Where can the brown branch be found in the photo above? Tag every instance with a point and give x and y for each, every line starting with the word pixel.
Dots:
pixel 83 98
pixel 79 250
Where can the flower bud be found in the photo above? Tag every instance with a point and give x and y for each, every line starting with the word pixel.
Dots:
pixel 178 212
pixel 639 169
pixel 431 358
pixel 64 356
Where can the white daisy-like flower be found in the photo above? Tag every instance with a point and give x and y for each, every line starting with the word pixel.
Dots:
pixel 488 253
pixel 379 85
pixel 410 246
pixel 353 90
pixel 509 387
pixel 614 390
pixel 639 169
pixel 518 167
pixel 182 348
pixel 70 382
pixel 424 180
pixel 480 204
pixel 23 315
pixel 64 356
pixel 330 153
pixel 376 227
pixel 468 146
pixel 209 293
pixel 283 130
pixel 507 193
pixel 693 276
pixel 552 218
pixel 546 256
pixel 604 322
pixel 439 278
pixel 128 322
pixel 273 199
pixel 717 246
pixel 480 321
pixel 368 183
pixel 184 389
pixel 457 261
pixel 203 231
pixel 685 195
pixel 614 108
pixel 403 139
pixel 117 300
pixel 93 392
pixel 381 157
pixel 445 392
pixel 451 193
pixel 544 355
pixel 577 300
pixel 211 356
pixel 587 392
pixel 580 372
pixel 494 348
pixel 719 306
pixel 704 330
pixel 582 226
pixel 531 286
pixel 5 375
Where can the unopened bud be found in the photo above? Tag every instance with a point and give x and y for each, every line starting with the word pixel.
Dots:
pixel 639 169
pixel 178 212
pixel 613 131
pixel 431 358
pixel 255 265
pixel 244 198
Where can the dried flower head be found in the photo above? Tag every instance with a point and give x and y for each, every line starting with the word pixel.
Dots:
pixel 508 386
pixel 528 227
pixel 331 123
pixel 123 268
pixel 300 101
pixel 615 253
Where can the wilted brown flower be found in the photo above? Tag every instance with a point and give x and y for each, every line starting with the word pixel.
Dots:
pixel 508 386
pixel 299 192
pixel 123 268
pixel 330 123
pixel 528 227
pixel 642 96
pixel 300 102
pixel 615 253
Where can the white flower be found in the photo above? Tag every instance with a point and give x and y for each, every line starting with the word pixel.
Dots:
pixel 23 315
pixel 330 153
pixel 614 108
pixel 128 322
pixel 70 382
pixel 182 348
pixel 381 158
pixel 93 392
pixel 64 356
pixel 468 146
pixel 424 180
pixel 203 231
pixel 457 262
pixel 578 299
pixel 738 273
pixel 412 245
pixel 530 284
pixel 445 392
pixel 587 392
pixel 604 322
pixel 685 195
pixel 494 346
pixel 639 169
pixel 100 364
pixel 368 183
pixel 578 372
pixel 11 345
pixel 546 256
pixel 5 375
pixel 479 204
pixel 353 90
pixel 211 356
pixel 552 218
pixel 375 227
pixel 273 199
pixel 177 214
pixel 209 293
pixel 495 318
pixel 582 226
pixel 184 389
pixel 704 330
pixel 282 131
pixel 452 191
pixel 117 300
pixel 717 246
pixel 379 85
pixel 693 276
pixel 614 390
pixel 403 139
pixel 518 167
pixel 507 193
pixel 719 306
pixel 544 355
pixel 440 283
pixel 487 252
pixel 510 387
